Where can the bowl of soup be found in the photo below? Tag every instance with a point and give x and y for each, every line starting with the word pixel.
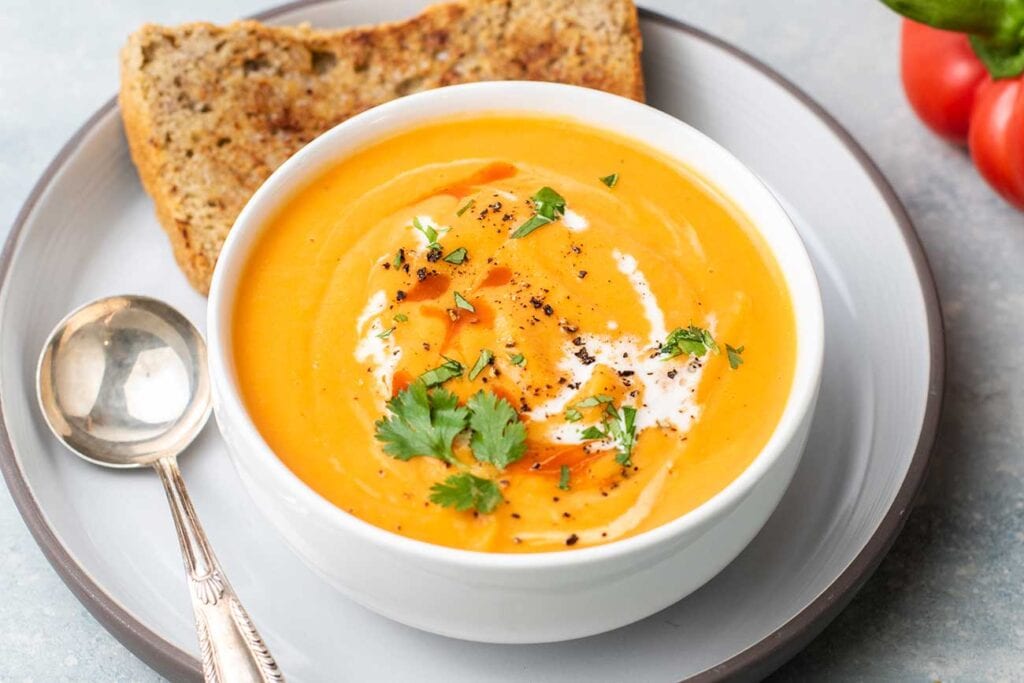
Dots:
pixel 515 362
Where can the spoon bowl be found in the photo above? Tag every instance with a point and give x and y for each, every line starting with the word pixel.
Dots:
pixel 123 381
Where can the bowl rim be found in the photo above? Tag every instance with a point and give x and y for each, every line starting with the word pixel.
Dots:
pixel 527 98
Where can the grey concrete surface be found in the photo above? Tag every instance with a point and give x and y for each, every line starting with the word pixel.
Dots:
pixel 947 604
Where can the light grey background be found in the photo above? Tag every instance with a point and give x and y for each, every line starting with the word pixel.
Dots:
pixel 947 604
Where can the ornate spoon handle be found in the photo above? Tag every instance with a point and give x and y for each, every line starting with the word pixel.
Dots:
pixel 231 647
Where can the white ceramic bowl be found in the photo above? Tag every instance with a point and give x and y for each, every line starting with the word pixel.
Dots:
pixel 520 598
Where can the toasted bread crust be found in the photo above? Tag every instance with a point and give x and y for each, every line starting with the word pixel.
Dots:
pixel 210 111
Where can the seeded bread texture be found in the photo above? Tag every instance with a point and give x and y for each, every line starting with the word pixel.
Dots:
pixel 210 111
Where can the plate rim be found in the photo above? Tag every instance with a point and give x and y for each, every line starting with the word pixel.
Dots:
pixel 756 661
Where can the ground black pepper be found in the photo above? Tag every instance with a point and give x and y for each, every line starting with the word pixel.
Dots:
pixel 584 356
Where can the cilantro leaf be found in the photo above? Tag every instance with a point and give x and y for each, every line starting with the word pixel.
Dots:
pixel 457 257
pixel 466 207
pixel 498 436
pixel 386 333
pixel 449 369
pixel 465 491
pixel 548 203
pixel 563 478
pixel 463 303
pixel 623 429
pixel 592 401
pixel 536 221
pixel 573 415
pixel 692 340
pixel 401 318
pixel 517 359
pixel 430 232
pixel 485 358
pixel 617 424
pixel 610 180
pixel 735 359
pixel 548 206
pixel 399 258
pixel 421 423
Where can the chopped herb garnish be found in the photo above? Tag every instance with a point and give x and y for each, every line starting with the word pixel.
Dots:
pixel 430 232
pixel 457 257
pixel 548 206
pixel 610 180
pixel 691 340
pixel 462 303
pixel 592 401
pixel 623 429
pixel 517 359
pixel 399 258
pixel 735 359
pixel 563 478
pixel 618 424
pixel 529 226
pixel 573 415
pixel 482 361
pixel 449 369
pixel 401 318
pixel 548 203
pixel 386 333
pixel 498 436
pixel 421 423
pixel 424 422
pixel 466 207
pixel 465 491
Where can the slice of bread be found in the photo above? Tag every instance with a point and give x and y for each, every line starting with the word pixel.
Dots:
pixel 210 111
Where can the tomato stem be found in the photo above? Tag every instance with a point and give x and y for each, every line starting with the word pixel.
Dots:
pixel 986 18
pixel 996 28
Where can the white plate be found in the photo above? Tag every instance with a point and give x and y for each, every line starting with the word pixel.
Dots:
pixel 88 230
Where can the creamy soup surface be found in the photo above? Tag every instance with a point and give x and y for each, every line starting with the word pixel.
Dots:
pixel 513 334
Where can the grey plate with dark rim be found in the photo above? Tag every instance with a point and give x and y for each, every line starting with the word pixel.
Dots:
pixel 87 230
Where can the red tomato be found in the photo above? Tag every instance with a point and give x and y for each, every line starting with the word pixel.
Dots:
pixel 989 140
pixel 951 91
pixel 1015 143
pixel 940 76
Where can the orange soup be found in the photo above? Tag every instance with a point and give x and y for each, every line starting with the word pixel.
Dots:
pixel 513 334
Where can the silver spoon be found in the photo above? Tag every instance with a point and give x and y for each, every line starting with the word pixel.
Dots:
pixel 123 383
